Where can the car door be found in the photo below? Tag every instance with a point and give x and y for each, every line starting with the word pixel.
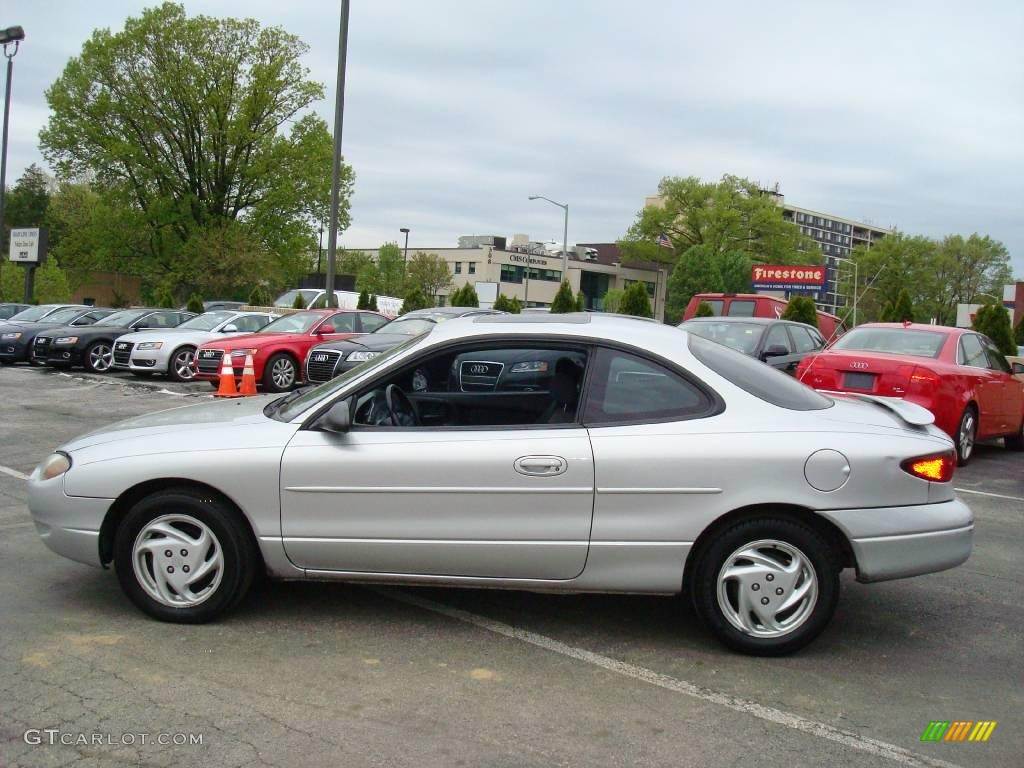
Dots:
pixel 1011 398
pixel 973 365
pixel 776 340
pixel 508 501
pixel 370 322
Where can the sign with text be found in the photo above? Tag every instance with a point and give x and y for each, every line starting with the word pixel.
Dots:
pixel 28 246
pixel 787 278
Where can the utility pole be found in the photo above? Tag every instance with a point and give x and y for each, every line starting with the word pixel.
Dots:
pixel 10 36
pixel 339 119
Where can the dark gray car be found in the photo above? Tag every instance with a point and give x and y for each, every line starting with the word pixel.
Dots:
pixel 782 344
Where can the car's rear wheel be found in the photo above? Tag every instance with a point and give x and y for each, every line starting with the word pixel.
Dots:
pixel 280 373
pixel 183 557
pixel 99 357
pixel 179 367
pixel 966 434
pixel 767 587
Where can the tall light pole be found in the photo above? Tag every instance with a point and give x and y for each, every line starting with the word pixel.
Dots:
pixel 10 36
pixel 405 253
pixel 855 284
pixel 339 119
pixel 565 233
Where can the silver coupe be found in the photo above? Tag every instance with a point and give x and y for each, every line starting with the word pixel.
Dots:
pixel 537 452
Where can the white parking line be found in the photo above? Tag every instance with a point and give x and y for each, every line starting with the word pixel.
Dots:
pixel 13 472
pixel 744 706
pixel 986 493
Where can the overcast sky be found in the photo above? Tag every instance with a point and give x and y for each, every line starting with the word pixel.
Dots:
pixel 908 114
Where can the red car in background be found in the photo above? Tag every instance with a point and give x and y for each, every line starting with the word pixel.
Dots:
pixel 757 305
pixel 955 373
pixel 280 347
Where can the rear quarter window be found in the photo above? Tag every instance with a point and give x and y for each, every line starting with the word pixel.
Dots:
pixel 756 378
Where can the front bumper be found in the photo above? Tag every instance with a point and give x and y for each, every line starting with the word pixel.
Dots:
pixel 14 351
pixel 897 542
pixel 148 360
pixel 64 355
pixel 69 525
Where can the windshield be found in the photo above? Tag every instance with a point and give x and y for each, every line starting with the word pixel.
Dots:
pixel 743 337
pixel 126 317
pixel 895 341
pixel 287 299
pixel 206 322
pixel 33 313
pixel 300 322
pixel 293 408
pixel 412 326
pixel 62 316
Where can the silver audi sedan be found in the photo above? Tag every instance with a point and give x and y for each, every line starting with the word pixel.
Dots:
pixel 543 452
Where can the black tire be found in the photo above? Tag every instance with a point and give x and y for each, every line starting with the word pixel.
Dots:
pixel 966 436
pixel 142 374
pixel 6 362
pixel 215 384
pixel 816 551
pixel 172 364
pixel 280 359
pixel 1016 442
pixel 238 552
pixel 92 350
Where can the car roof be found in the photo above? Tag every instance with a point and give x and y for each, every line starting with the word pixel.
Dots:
pixel 453 311
pixel 641 331
pixel 755 320
pixel 915 327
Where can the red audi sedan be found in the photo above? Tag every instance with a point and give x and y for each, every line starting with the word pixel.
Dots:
pixel 955 373
pixel 279 348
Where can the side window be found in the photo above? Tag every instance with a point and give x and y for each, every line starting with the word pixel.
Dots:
pixel 741 308
pixel 971 352
pixel 249 323
pixel 155 320
pixel 804 339
pixel 626 389
pixel 371 322
pixel 777 337
pixel 995 358
pixel 343 322
pixel 716 306
pixel 320 302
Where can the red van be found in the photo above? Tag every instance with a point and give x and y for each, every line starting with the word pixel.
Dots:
pixel 756 305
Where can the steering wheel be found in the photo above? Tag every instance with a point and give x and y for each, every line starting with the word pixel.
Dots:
pixel 403 410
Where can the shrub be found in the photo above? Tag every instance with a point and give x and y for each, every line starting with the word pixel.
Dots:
pixel 415 299
pixel 704 310
pixel 299 302
pixel 994 321
pixel 564 300
pixel 364 300
pixel 465 297
pixel 260 297
pixel 802 310
pixel 195 304
pixel 636 302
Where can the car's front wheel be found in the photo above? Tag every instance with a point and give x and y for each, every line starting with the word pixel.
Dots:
pixel 767 586
pixel 280 374
pixel 183 557
pixel 99 357
pixel 180 366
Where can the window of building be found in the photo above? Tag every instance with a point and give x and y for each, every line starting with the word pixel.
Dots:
pixel 472 267
pixel 458 267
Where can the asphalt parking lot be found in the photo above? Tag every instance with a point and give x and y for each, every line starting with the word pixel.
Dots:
pixel 334 675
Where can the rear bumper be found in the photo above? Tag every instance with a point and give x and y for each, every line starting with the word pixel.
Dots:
pixel 897 542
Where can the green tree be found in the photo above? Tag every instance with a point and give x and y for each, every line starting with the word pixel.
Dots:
pixel 465 297
pixel 502 303
pixel 899 311
pixel 581 301
pixel 364 300
pixel 612 300
pixel 701 270
pixel 802 310
pixel 260 297
pixel 51 283
pixel 415 299
pixel 26 204
pixel 994 321
pixel 1018 333
pixel 704 310
pixel 299 303
pixel 372 303
pixel 193 123
pixel 391 270
pixel 515 305
pixel 564 301
pixel 428 272
pixel 195 304
pixel 635 301
pixel 164 297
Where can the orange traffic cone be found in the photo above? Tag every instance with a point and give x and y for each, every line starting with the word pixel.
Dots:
pixel 248 378
pixel 227 378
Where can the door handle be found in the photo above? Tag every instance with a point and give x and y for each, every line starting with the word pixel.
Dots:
pixel 540 466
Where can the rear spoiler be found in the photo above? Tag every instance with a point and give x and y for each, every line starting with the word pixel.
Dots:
pixel 911 413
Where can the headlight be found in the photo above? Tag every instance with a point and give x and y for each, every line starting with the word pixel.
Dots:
pixel 361 357
pixel 66 340
pixel 11 336
pixel 55 465
pixel 150 345
pixel 243 352
pixel 530 366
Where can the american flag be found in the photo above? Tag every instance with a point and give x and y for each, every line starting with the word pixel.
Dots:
pixel 664 241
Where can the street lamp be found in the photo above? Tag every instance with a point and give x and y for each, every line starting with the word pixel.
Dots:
pixel 405 254
pixel 12 36
pixel 565 234
pixel 339 119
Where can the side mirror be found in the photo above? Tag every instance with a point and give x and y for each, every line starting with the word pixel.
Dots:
pixel 325 329
pixel 775 350
pixel 1018 368
pixel 229 328
pixel 338 419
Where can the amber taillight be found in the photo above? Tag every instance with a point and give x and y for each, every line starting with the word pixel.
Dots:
pixel 936 467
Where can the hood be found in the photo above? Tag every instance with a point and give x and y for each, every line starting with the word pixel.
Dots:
pixel 160 334
pixel 254 340
pixel 16 327
pixel 84 331
pixel 218 414
pixel 375 342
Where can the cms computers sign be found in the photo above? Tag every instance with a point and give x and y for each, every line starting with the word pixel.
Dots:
pixel 787 278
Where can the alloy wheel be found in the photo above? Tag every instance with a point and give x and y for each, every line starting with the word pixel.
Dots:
pixel 767 588
pixel 283 373
pixel 181 364
pixel 101 357
pixel 178 561
pixel 966 441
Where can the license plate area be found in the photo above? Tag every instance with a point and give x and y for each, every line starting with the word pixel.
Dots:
pixel 854 380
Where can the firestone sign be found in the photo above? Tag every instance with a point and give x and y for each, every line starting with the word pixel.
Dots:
pixel 787 278
pixel 28 246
